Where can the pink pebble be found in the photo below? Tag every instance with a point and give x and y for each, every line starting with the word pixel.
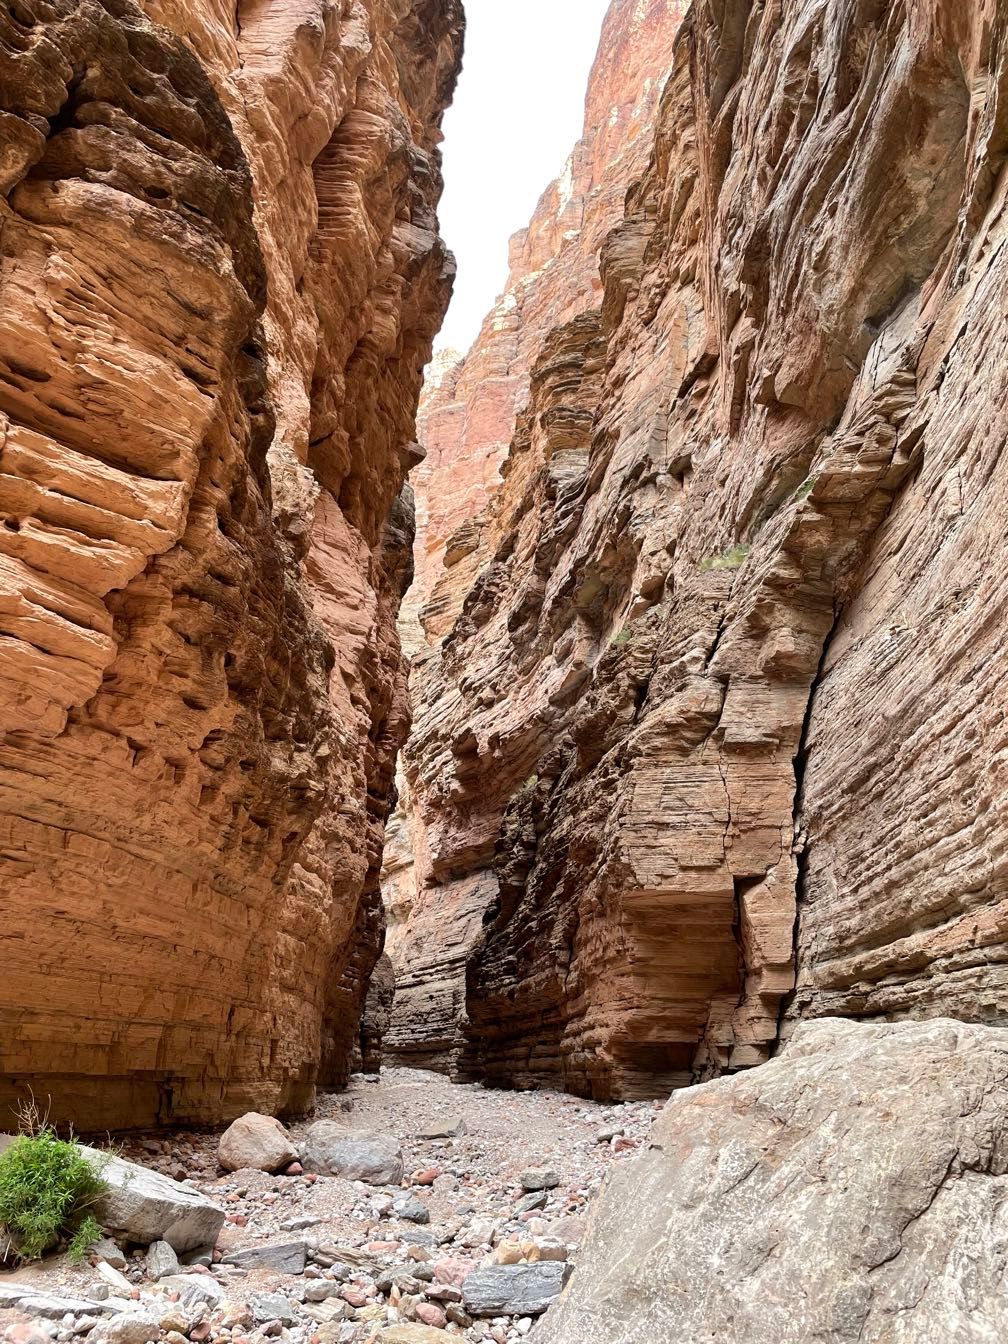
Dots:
pixel 431 1315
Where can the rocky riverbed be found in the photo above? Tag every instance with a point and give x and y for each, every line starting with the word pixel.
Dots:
pixel 471 1240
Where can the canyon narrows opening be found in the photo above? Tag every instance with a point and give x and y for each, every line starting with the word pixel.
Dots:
pixel 679 597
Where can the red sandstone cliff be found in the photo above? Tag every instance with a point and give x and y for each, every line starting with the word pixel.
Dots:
pixel 467 418
pixel 220 276
pixel 713 741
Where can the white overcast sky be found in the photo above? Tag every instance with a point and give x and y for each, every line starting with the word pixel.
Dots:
pixel 517 114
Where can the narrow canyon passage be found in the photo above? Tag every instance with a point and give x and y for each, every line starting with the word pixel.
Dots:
pixel 505 843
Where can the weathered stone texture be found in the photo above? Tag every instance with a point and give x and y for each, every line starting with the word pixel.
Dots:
pixel 467 418
pixel 733 656
pixel 219 279
pixel 853 1189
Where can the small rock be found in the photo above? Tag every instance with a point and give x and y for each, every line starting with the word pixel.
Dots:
pixel 175 1320
pixel 269 1307
pixel 432 1315
pixel 448 1128
pixel 427 1176
pixel 127 1328
pixel 539 1178
pixel 411 1209
pixel 161 1261
pixel 194 1288
pixel 106 1249
pixel 113 1278
pixel 321 1291
pixel 531 1202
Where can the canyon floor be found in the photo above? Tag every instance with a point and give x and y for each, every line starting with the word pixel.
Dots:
pixel 373 1274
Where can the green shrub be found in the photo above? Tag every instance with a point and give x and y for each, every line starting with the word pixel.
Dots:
pixel 47 1188
pixel 806 488
pixel 732 558
pixel 623 637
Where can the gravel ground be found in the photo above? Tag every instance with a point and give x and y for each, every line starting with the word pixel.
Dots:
pixel 372 1268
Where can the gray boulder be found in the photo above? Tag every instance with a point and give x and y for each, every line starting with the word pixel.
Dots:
pixel 143 1206
pixel 356 1155
pixel 256 1141
pixel 852 1189
pixel 513 1290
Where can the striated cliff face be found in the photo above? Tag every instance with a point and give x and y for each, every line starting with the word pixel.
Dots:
pixel 467 413
pixel 467 418
pixel 713 741
pixel 220 276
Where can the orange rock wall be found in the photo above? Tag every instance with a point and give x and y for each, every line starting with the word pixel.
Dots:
pixel 220 276
pixel 467 418
pixel 715 733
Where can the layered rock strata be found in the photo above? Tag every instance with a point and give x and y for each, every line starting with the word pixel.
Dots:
pixel 721 711
pixel 220 277
pixel 467 418
pixel 853 1189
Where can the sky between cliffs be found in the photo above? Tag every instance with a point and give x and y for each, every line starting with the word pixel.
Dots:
pixel 517 114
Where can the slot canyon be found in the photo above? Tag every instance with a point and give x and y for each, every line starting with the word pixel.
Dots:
pixel 507 843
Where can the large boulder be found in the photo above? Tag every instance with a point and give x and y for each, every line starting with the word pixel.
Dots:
pixel 143 1206
pixel 257 1141
pixel 853 1189
pixel 355 1154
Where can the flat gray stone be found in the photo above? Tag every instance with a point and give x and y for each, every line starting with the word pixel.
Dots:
pixel 355 1154
pixel 49 1305
pixel 285 1257
pixel 513 1290
pixel 143 1206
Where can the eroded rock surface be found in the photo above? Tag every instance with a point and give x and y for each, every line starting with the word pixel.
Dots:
pixel 732 660
pixel 467 418
pixel 852 1189
pixel 219 279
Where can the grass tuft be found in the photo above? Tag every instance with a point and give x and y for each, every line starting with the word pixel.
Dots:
pixel 47 1188
pixel 732 558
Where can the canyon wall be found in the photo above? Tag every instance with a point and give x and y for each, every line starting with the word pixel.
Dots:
pixel 713 742
pixel 467 418
pixel 220 276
